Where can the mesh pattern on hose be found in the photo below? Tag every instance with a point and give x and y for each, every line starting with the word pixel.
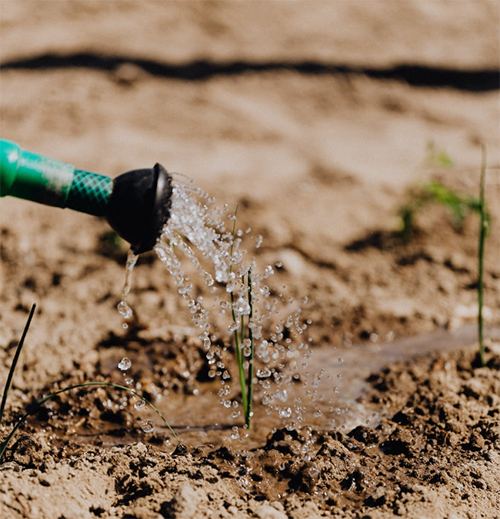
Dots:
pixel 89 193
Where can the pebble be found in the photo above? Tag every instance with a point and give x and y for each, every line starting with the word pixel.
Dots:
pixel 265 511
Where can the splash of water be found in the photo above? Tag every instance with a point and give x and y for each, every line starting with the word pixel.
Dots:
pixel 202 233
pixel 198 231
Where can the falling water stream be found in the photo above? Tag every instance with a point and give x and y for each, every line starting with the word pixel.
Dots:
pixel 294 384
pixel 123 307
pixel 201 242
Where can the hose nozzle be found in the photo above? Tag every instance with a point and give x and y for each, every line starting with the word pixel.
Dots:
pixel 136 204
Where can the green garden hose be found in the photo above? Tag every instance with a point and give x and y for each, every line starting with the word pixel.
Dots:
pixel 136 204
pixel 51 182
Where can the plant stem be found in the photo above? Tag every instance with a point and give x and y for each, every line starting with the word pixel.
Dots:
pixel 14 362
pixel 248 414
pixel 482 237
pixel 237 333
pixel 239 359
pixel 76 386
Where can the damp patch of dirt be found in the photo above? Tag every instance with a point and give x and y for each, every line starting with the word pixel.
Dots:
pixel 438 450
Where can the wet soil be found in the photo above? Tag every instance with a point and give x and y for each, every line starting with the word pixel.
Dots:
pixel 307 115
pixel 436 448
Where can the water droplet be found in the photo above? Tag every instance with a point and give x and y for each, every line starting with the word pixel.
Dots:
pixel 125 310
pixel 234 326
pixel 139 404
pixel 285 412
pixel 264 290
pixel 125 364
pixel 281 395
pixel 313 472
pixel 147 426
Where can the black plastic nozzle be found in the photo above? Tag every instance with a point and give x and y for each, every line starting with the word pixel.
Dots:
pixel 139 206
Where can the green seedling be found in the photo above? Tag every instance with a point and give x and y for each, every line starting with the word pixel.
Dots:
pixel 49 397
pixel 433 191
pixel 437 156
pixel 483 232
pixel 14 362
pixel 246 379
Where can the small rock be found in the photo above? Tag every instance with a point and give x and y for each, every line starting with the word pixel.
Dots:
pixel 364 435
pixel 29 451
pixel 265 511
pixel 399 442
pixel 186 502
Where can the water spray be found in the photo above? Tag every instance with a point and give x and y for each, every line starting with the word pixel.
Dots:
pixel 136 204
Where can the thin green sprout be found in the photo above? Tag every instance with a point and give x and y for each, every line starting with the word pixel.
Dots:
pixel 14 362
pixel 76 386
pixel 433 191
pixel 248 416
pixel 483 229
pixel 239 358
pixel 246 383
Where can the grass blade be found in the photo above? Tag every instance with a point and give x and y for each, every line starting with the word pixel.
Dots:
pixel 482 238
pixel 239 355
pixel 248 414
pixel 76 386
pixel 14 362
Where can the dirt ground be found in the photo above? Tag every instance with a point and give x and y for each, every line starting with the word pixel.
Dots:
pixel 318 119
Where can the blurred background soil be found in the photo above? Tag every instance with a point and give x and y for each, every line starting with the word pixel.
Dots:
pixel 315 117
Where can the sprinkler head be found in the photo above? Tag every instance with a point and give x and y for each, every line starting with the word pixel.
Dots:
pixel 139 206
